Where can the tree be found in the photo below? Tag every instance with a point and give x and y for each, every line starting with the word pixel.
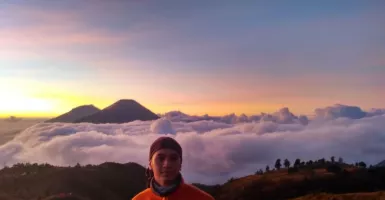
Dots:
pixel 297 162
pixel 302 163
pixel 340 160
pixel 286 163
pixel 278 164
pixel 267 168
pixel 322 161
pixel 362 164
pixel 259 172
pixel 332 159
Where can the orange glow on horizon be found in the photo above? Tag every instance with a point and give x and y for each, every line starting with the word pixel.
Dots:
pixel 47 108
pixel 34 99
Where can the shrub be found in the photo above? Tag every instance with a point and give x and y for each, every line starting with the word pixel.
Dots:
pixel 292 170
pixel 334 169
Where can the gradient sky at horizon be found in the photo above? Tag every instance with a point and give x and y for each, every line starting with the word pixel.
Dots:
pixel 214 57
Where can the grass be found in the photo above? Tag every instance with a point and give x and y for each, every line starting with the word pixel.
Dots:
pixel 308 180
pixel 350 196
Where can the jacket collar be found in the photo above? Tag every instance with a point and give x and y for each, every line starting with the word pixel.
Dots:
pixel 166 191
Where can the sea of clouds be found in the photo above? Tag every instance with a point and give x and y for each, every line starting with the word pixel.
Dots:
pixel 214 148
pixel 10 127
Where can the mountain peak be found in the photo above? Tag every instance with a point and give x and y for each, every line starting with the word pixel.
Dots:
pixel 122 111
pixel 84 107
pixel 125 102
pixel 76 114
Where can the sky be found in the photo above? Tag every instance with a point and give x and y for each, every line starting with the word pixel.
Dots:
pixel 214 57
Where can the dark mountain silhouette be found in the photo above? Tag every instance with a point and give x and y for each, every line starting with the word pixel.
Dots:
pixel 121 112
pixel 76 114
pixel 381 164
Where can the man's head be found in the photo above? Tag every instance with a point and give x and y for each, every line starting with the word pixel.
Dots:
pixel 165 160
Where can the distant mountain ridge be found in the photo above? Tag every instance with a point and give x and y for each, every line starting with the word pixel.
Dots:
pixel 76 114
pixel 125 110
pixel 13 119
pixel 381 164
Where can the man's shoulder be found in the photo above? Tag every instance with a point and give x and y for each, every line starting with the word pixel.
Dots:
pixel 198 193
pixel 143 195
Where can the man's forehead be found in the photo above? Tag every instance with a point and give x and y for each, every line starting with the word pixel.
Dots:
pixel 166 152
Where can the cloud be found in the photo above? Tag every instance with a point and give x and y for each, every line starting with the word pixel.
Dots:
pixel 7 126
pixel 9 129
pixel 282 116
pixel 213 151
pixel 162 126
pixel 375 112
pixel 338 110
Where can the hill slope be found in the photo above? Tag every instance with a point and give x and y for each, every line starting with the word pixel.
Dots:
pixel 122 181
pixel 76 114
pixel 381 164
pixel 284 185
pixel 350 196
pixel 121 112
pixel 106 181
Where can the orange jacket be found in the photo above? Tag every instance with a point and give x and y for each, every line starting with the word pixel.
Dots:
pixel 184 192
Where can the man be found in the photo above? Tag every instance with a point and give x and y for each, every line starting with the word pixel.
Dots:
pixel 164 178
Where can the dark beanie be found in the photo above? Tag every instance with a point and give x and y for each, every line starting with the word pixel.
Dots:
pixel 165 143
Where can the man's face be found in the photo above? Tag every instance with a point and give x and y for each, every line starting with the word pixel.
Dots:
pixel 166 165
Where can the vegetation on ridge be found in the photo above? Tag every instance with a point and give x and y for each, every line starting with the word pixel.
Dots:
pixel 308 180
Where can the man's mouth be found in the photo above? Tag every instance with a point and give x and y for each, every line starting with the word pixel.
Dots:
pixel 167 172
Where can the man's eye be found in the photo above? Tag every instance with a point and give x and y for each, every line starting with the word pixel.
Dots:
pixel 174 158
pixel 161 158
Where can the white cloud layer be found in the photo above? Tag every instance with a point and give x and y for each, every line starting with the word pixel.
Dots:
pixel 282 116
pixel 338 110
pixel 10 127
pixel 213 151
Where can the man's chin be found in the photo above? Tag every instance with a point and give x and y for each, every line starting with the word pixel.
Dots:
pixel 168 177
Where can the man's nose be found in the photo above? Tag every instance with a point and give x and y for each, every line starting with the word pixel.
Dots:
pixel 166 162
